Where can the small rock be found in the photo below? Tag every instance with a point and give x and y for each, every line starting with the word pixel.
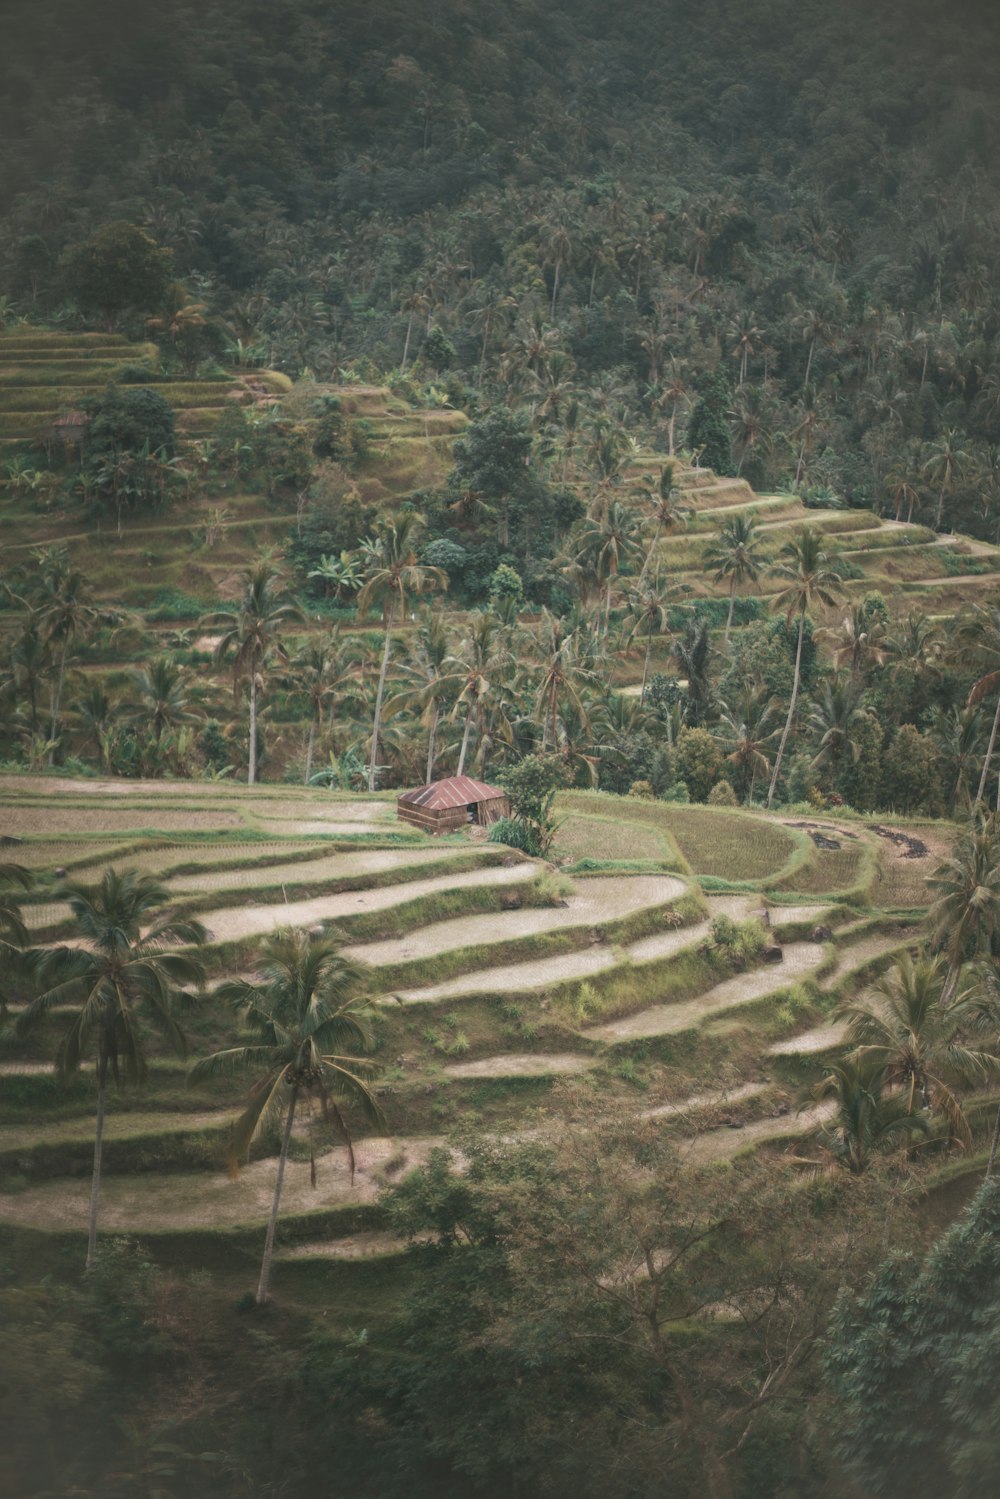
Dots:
pixel 773 953
pixel 822 934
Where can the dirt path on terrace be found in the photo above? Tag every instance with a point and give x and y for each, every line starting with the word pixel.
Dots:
pixel 785 915
pixel 328 867
pixel 723 1144
pixel 875 946
pixel 373 1244
pixel 597 899
pixel 152 1203
pixel 116 1127
pixel 800 959
pixel 697 1101
pixel 820 1038
pixel 233 923
pixel 521 1064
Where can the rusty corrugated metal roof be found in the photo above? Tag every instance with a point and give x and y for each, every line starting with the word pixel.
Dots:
pixel 456 791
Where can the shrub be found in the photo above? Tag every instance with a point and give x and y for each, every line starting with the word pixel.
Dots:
pixel 641 789
pixel 739 943
pixel 698 761
pixel 515 833
pixel 722 795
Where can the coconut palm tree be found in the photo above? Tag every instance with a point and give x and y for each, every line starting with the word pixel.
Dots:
pixel 562 676
pixel 666 511
pixel 747 730
pixel 429 680
pixel 478 668
pixel 978 636
pixel 124 973
pixel 252 636
pixel 905 1025
pixel 964 916
pixel 303 1021
pixel 13 934
pixel 94 713
pixel 835 714
pixel 604 541
pixel 958 735
pixel 392 574
pixel 163 696
pixel 320 673
pixel 735 557
pixel 66 613
pixel 810 577
pixel 859 642
pixel 866 1123
pixel 648 616
pixel 946 460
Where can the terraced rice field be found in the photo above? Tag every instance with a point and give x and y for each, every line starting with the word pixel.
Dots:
pixel 503 992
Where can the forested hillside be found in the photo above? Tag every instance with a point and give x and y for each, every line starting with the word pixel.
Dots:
pixel 586 210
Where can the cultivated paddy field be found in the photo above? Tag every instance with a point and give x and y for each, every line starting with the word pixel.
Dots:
pixel 509 995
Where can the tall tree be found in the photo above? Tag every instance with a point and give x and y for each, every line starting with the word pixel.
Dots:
pixel 251 636
pixel 304 1020
pixel 905 1024
pixel 810 577
pixel 964 915
pixel 392 574
pixel 13 933
pixel 735 558
pixel 125 972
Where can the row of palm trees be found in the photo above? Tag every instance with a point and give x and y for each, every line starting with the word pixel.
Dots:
pixel 133 970
pixel 515 684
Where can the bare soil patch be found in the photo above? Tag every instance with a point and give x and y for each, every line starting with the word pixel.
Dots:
pixel 330 867
pixel 159 1203
pixel 595 900
pixel 521 1064
pixel 820 1038
pixel 723 1144
pixel 664 1020
pixel 231 924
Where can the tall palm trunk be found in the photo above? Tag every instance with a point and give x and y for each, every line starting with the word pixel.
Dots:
pixel 95 1182
pixel 432 741
pixel 252 769
pixel 989 754
pixel 378 703
pixel 465 740
pixel 310 749
pixel 645 666
pixel 272 1223
pixel 732 601
pixel 791 713
pixel 649 554
pixel 406 346
pixel 994 1146
pixel 57 692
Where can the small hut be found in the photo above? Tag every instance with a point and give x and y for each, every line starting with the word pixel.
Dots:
pixel 443 806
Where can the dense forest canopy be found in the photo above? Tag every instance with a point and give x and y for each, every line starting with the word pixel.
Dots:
pixel 586 198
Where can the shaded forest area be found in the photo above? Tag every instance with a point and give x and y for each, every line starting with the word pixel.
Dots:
pixel 586 211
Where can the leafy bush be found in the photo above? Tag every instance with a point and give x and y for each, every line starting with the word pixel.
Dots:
pixel 739 943
pixel 722 795
pixel 515 833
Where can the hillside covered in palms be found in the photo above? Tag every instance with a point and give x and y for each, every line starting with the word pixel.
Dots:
pixel 579 211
